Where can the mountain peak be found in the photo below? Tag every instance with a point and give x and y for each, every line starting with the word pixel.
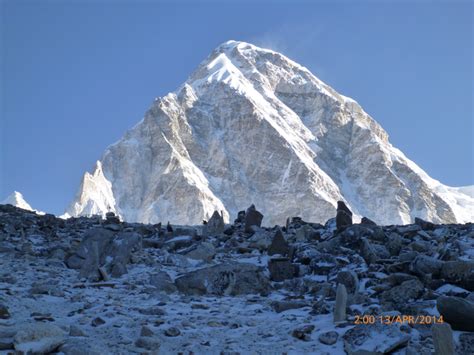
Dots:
pixel 16 199
pixel 252 126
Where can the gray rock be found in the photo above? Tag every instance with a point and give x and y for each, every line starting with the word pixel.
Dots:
pixel 281 269
pixel 456 311
pixel 328 338
pixel 368 252
pixel 203 251
pixel 443 339
pixel 148 343
pixel 38 338
pixel 215 225
pixel 402 294
pixel 349 279
pixel 341 304
pixel 459 272
pixel 102 247
pixel 423 265
pixel 76 331
pixel 78 346
pixel 252 218
pixel 374 339
pixel 279 245
pixel 281 306
pixel 162 281
pixel 394 244
pixel 224 279
pixel 146 332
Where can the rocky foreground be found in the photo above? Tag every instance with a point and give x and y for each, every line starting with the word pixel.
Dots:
pixel 102 286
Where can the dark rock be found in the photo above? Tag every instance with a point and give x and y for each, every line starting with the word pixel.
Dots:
pixel 240 217
pixel 328 338
pixel 252 218
pixel 303 333
pixel 279 245
pixel 281 269
pixel 343 216
pixel 399 277
pixel 456 311
pixel 4 313
pixel 424 224
pixel 172 332
pixel 367 221
pixel 97 322
pixel 148 343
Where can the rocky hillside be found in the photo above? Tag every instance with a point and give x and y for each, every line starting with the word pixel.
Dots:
pixel 101 286
pixel 251 125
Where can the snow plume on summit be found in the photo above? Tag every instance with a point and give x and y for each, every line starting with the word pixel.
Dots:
pixel 252 126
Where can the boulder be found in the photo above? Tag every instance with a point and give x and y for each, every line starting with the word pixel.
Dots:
pixel 215 225
pixel 203 251
pixel 349 279
pixel 343 216
pixel 281 306
pixel 341 304
pixel 400 295
pixel 252 218
pixel 281 269
pixel 4 313
pixel 423 265
pixel 38 338
pixel 443 339
pixel 104 248
pixel 303 332
pixel 224 279
pixel 328 338
pixel 374 339
pixel 459 272
pixel 456 311
pixel 425 225
pixel 162 281
pixel 279 245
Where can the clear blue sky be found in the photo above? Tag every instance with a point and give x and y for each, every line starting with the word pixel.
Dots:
pixel 76 75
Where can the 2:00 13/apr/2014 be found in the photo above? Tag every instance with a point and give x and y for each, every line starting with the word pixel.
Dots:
pixel 390 319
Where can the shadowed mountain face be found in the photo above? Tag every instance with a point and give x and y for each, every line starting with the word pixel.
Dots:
pixel 252 125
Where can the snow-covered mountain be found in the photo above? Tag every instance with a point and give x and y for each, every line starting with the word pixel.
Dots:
pixel 16 199
pixel 252 126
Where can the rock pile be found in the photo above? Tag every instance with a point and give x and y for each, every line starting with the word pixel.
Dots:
pixel 88 285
